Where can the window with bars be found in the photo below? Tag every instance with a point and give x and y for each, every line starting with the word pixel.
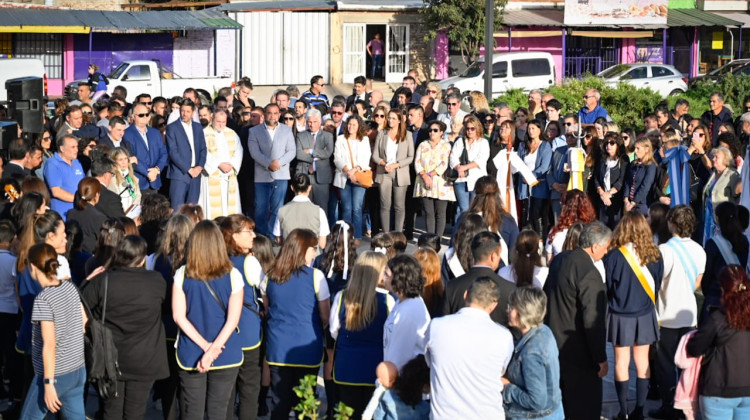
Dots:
pixel 46 47
pixel 6 45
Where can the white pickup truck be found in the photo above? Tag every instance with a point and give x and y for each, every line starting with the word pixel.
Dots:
pixel 12 68
pixel 147 76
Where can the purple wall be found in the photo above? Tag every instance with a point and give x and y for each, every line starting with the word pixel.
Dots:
pixel 550 44
pixel 110 49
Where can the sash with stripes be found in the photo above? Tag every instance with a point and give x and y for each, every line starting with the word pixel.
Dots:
pixel 646 282
pixel 683 255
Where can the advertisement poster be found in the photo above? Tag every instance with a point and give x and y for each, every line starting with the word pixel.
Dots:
pixel 616 12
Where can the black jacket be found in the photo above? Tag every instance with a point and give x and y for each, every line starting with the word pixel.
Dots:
pixel 616 180
pixel 12 170
pixel 90 220
pixel 725 372
pixel 454 293
pixel 134 306
pixel 109 203
pixel 576 309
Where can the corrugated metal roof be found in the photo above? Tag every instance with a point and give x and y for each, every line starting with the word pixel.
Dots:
pixel 99 20
pixel 740 17
pixel 268 6
pixel 538 17
pixel 382 5
pixel 696 17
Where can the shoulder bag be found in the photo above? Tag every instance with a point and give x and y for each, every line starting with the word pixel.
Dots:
pixel 364 176
pixel 450 174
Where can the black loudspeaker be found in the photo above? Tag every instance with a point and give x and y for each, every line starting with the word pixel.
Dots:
pixel 8 132
pixel 25 103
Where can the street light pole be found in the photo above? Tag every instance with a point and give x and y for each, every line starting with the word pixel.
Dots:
pixel 489 46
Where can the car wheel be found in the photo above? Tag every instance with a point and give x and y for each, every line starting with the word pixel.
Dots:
pixel 676 92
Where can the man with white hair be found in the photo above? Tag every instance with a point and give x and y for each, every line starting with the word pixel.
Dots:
pixel 220 193
pixel 314 151
pixel 591 109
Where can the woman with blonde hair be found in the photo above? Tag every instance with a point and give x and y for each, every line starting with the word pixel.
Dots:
pixel 640 177
pixel 209 349
pixel 471 165
pixel 124 179
pixel 436 93
pixel 433 293
pixel 634 268
pixel 379 115
pixel 478 102
pixel 356 322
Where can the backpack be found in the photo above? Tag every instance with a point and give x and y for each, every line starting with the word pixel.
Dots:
pixel 102 77
pixel 102 367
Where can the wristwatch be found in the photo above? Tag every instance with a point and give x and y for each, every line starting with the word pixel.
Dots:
pixel 48 381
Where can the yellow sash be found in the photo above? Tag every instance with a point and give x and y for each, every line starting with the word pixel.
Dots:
pixel 577 163
pixel 638 273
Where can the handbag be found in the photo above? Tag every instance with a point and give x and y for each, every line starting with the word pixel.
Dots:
pixel 450 174
pixel 364 177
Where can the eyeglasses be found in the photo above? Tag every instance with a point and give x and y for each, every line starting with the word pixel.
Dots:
pixel 587 96
pixel 489 122
pixel 699 134
pixel 588 136
pixel 288 118
pixel 46 138
pixel 321 84
pixel 434 130
pixel 146 103
pixel 452 103
pixel 162 125
pixel 611 142
pixel 245 114
pixel 626 137
pixel 431 91
pixel 337 112
pixel 568 124
pixel 747 108
pixel 142 115
pixel 87 113
pixel 379 116
pixel 245 230
pixel 470 128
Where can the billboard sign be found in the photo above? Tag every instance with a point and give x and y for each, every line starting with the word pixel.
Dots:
pixel 615 12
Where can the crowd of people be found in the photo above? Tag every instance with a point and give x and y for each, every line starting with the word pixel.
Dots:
pixel 230 235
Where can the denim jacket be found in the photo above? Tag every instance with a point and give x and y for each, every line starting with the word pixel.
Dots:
pixel 534 373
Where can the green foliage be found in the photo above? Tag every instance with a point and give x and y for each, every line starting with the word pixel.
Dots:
pixel 625 104
pixel 308 405
pixel 343 412
pixel 462 20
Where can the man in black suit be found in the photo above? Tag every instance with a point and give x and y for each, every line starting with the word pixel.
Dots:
pixel 116 135
pixel 103 169
pixel 17 155
pixel 360 92
pixel 314 151
pixel 576 309
pixel 486 249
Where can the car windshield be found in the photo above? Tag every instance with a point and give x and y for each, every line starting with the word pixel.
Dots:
pixel 473 70
pixel 118 71
pixel 729 67
pixel 614 71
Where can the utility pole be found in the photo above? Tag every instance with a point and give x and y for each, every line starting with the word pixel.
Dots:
pixel 489 46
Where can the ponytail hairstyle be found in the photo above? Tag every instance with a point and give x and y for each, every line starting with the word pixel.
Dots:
pixel 88 189
pixel 44 258
pixel 35 231
pixel 334 255
pixel 735 296
pixel 110 234
pixel 526 257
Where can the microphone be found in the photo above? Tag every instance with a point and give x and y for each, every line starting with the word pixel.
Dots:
pixel 127 187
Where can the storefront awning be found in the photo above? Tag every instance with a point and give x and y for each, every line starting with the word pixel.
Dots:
pixel 744 18
pixel 539 17
pixel 85 21
pixel 278 5
pixel 613 34
pixel 696 17
pixel 526 34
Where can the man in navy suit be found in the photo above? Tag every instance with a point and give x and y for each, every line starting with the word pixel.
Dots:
pixel 115 137
pixel 147 147
pixel 272 147
pixel 186 147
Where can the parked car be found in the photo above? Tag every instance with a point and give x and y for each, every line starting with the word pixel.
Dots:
pixel 13 68
pixel 525 70
pixel 661 78
pixel 148 76
pixel 716 74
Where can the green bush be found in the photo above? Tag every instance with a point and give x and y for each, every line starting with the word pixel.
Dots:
pixel 627 105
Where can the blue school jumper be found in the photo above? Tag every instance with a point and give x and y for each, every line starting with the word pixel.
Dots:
pixel 250 323
pixel 163 266
pixel 208 318
pixel 358 353
pixel 295 332
pixel 28 288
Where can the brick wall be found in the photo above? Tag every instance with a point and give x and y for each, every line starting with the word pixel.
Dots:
pixel 93 5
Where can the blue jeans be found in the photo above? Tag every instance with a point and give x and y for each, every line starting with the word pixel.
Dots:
pixel 717 408
pixel 352 197
pixel 463 197
pixel 377 64
pixel 269 197
pixel 69 389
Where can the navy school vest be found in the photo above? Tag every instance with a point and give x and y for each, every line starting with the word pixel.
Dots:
pixel 250 323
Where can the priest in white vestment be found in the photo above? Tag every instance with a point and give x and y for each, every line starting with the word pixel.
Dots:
pixel 219 189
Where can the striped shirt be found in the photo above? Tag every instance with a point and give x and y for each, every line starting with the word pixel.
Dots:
pixel 60 305
pixel 315 100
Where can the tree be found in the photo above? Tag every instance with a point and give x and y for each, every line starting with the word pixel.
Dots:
pixel 463 22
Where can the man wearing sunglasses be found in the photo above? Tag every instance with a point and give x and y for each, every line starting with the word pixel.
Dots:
pixel 453 101
pixel 147 147
pixel 145 99
pixel 591 109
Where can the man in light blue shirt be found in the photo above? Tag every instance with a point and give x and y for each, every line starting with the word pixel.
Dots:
pixel 591 109
pixel 468 354
pixel 62 173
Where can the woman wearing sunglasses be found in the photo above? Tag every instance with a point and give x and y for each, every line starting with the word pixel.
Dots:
pixel 430 163
pixel 610 178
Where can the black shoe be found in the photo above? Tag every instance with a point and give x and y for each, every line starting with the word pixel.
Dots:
pixel 636 414
pixel 664 413
pixel 621 417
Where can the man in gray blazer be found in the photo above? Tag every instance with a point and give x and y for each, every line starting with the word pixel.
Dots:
pixel 314 151
pixel 272 147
